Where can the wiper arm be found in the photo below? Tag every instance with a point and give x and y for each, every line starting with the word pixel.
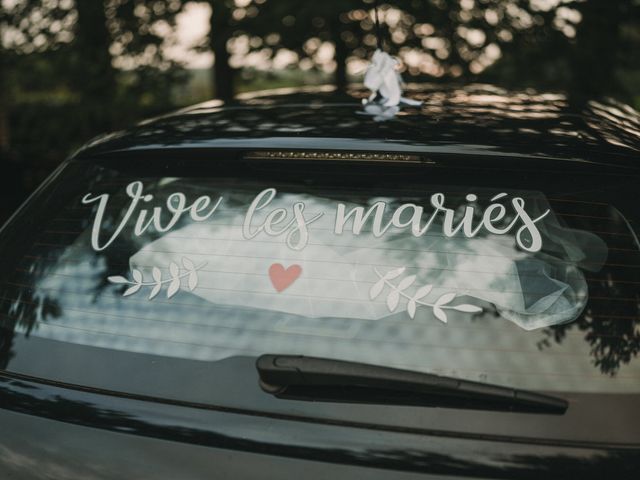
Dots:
pixel 320 379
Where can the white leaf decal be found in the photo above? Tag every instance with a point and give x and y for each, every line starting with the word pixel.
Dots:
pixel 440 315
pixel 132 290
pixel 411 308
pixel 173 280
pixel 466 308
pixel 406 283
pixel 392 301
pixel 155 291
pixel 118 280
pixel 173 287
pixel 376 289
pixel 188 264
pixel 394 273
pixel 423 292
pixel 400 292
pixel 174 269
pixel 137 275
pixel 445 299
pixel 193 281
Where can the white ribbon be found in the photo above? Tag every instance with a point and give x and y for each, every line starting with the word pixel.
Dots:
pixel 383 79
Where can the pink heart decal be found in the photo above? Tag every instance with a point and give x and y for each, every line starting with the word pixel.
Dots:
pixel 282 278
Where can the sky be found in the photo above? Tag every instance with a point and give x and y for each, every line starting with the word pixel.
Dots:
pixel 193 26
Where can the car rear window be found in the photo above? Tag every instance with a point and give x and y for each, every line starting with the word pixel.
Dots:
pixel 523 278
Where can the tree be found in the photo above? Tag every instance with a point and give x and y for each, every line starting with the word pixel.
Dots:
pixel 221 31
pixel 92 72
pixel 71 70
pixel 301 27
pixel 28 27
pixel 579 45
pixel 105 58
pixel 140 30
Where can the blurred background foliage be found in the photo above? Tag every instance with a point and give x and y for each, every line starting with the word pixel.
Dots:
pixel 71 69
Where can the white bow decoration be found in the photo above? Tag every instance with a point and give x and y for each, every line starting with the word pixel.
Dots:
pixel 383 79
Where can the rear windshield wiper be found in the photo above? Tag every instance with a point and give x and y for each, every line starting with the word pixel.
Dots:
pixel 320 379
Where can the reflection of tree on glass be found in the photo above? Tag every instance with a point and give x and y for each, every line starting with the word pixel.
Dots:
pixel 221 314
pixel 610 321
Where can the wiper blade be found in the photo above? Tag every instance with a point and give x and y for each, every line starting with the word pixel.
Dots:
pixel 320 379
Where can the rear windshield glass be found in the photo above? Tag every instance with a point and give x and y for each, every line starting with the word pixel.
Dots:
pixel 526 280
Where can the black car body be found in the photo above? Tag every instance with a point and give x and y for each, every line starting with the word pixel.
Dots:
pixel 105 380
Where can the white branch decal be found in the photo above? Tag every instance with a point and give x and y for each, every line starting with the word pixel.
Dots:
pixel 174 281
pixel 399 291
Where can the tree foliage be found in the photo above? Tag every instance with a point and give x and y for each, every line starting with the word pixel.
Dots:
pixel 581 45
pixel 105 59
pixel 104 54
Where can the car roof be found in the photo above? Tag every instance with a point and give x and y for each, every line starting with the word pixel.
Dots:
pixel 480 120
